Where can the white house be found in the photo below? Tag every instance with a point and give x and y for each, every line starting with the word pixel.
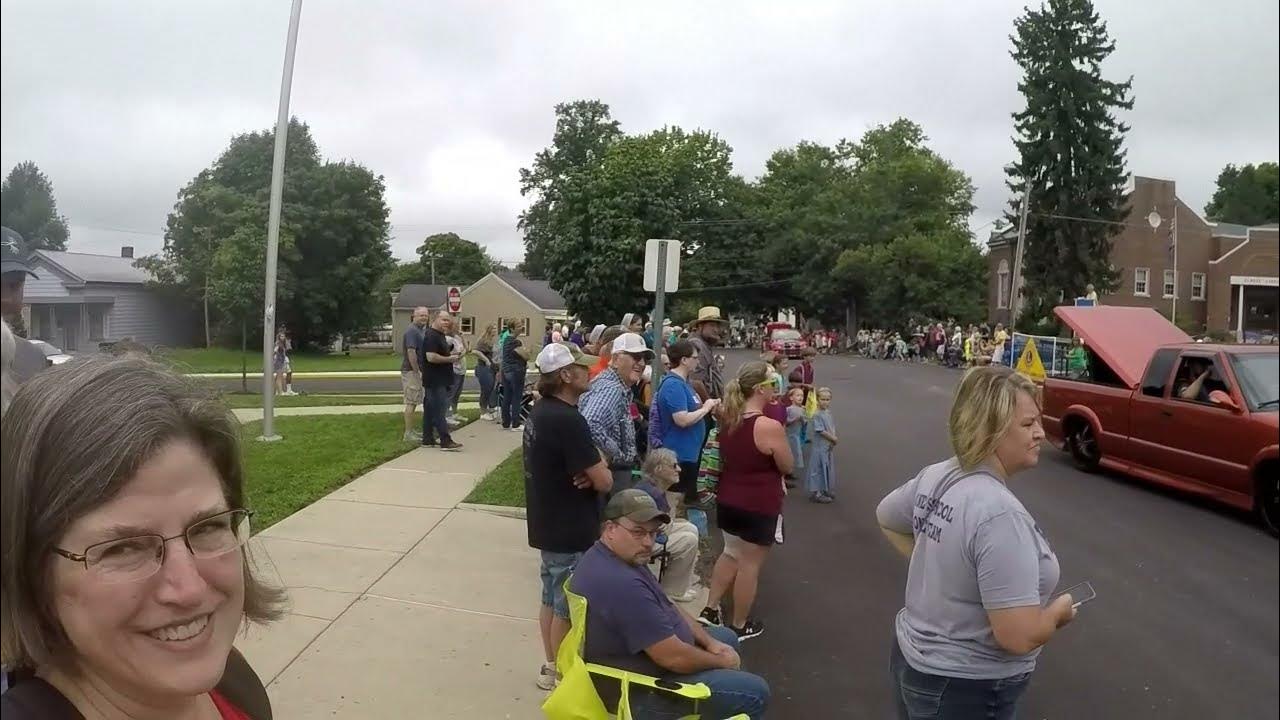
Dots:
pixel 80 300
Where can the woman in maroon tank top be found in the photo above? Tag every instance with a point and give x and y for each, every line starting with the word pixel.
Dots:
pixel 754 455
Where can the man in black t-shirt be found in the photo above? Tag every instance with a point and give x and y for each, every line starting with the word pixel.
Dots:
pixel 436 358
pixel 565 479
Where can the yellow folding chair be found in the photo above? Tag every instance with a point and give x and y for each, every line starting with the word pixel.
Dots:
pixel 576 697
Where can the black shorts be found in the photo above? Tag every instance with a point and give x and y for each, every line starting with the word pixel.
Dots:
pixel 755 528
pixel 687 485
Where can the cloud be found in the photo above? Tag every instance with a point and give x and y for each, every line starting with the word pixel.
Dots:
pixel 123 103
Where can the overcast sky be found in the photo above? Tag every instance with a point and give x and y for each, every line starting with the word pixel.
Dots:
pixel 122 102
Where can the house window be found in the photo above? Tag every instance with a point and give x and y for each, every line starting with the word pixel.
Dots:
pixel 97 323
pixel 1170 283
pixel 1197 286
pixel 1003 281
pixel 1141 282
pixel 468 326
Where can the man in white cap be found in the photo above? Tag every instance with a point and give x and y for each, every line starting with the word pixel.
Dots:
pixel 633 625
pixel 607 406
pixel 564 477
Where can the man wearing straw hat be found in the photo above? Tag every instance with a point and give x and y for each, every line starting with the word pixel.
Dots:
pixel 706 333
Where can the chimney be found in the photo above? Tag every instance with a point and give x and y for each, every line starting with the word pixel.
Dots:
pixel 126 251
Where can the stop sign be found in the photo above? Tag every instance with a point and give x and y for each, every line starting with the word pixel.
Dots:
pixel 455 299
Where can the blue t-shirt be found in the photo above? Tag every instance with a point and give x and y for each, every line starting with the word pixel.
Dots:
pixel 626 612
pixel 675 395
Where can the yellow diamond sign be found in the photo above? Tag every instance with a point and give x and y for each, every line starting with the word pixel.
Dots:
pixel 1029 362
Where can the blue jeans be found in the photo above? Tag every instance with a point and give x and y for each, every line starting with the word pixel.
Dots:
pixel 455 392
pixel 733 692
pixel 512 396
pixel 921 696
pixel 484 376
pixel 435 406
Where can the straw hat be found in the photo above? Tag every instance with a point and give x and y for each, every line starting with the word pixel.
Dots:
pixel 710 313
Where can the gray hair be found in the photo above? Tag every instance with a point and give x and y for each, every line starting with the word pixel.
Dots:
pixel 73 437
pixel 654 459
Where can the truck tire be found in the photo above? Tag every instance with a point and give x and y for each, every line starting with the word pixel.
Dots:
pixel 1267 496
pixel 1083 444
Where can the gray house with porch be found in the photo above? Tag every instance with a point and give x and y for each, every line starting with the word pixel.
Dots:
pixel 80 300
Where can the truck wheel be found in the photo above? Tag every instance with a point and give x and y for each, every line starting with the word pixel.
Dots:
pixel 1267 498
pixel 1084 447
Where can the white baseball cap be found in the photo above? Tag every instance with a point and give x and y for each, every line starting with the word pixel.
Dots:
pixel 632 344
pixel 558 356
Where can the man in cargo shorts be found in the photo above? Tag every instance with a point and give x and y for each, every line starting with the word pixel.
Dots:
pixel 410 373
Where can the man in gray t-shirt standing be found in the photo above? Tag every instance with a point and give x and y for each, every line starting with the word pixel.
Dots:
pixel 410 373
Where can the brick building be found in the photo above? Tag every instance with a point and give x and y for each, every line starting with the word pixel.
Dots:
pixel 1228 276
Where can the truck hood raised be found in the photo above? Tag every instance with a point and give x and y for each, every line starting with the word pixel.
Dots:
pixel 1124 337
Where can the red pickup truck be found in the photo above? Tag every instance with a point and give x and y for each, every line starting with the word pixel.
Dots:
pixel 1152 404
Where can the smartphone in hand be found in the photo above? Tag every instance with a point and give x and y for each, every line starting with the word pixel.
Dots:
pixel 1080 594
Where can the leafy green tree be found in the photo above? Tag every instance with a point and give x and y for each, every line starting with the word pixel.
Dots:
pixel 916 275
pixel 1249 195
pixel 27 206
pixel 1070 147
pixel 456 261
pixel 334 214
pixel 237 277
pixel 645 187
pixel 584 131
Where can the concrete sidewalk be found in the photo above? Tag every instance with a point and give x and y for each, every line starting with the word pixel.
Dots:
pixel 245 415
pixel 403 604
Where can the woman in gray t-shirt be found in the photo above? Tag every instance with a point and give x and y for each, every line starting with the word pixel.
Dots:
pixel 978 593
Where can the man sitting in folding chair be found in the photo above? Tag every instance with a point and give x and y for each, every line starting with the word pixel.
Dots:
pixel 632 624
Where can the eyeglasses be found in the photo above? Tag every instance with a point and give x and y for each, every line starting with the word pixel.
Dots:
pixel 134 559
pixel 640 533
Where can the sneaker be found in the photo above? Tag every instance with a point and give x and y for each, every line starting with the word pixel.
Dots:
pixel 548 677
pixel 753 628
pixel 689 596
pixel 450 445
pixel 412 436
pixel 710 616
pixel 822 499
pixel 430 443
pixel 516 428
pixel 830 495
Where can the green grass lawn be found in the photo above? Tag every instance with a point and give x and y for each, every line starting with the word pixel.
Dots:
pixel 317 455
pixel 504 485
pixel 223 360
pixel 254 400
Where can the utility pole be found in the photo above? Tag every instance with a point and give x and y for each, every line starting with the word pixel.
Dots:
pixel 273 227
pixel 1173 314
pixel 433 269
pixel 1015 291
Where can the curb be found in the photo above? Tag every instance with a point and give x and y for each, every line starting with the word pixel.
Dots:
pixel 511 512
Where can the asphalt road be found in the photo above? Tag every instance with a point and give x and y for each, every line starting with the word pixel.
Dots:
pixel 1186 620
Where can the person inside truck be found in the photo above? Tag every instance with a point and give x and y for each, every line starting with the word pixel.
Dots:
pixel 1196 380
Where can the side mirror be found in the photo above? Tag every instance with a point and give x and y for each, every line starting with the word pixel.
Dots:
pixel 1222 399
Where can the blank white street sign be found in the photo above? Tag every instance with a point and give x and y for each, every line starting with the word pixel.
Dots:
pixel 651 251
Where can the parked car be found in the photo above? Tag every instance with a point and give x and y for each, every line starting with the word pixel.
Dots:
pixel 1138 409
pixel 785 341
pixel 52 355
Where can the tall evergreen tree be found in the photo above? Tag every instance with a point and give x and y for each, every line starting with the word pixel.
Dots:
pixel 1069 144
pixel 28 207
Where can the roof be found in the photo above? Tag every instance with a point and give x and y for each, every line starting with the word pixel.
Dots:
pixel 412 296
pixel 88 267
pixel 1225 229
pixel 1124 337
pixel 538 292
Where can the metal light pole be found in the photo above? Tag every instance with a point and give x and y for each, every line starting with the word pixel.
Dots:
pixel 273 227
pixel 1015 285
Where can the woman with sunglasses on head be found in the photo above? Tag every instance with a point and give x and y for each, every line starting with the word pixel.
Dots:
pixel 124 571
pixel 754 457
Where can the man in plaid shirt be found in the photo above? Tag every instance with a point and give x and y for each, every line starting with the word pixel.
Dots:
pixel 607 407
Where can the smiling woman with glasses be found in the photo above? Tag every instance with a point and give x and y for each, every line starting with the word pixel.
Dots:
pixel 124 568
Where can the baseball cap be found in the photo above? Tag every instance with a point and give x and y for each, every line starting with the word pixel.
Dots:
pixel 558 356
pixel 13 253
pixel 634 505
pixel 632 344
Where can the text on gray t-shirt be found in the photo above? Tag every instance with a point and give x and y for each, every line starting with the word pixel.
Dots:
pixel 976 549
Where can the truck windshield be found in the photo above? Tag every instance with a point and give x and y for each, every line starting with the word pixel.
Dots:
pixel 786 335
pixel 1259 375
